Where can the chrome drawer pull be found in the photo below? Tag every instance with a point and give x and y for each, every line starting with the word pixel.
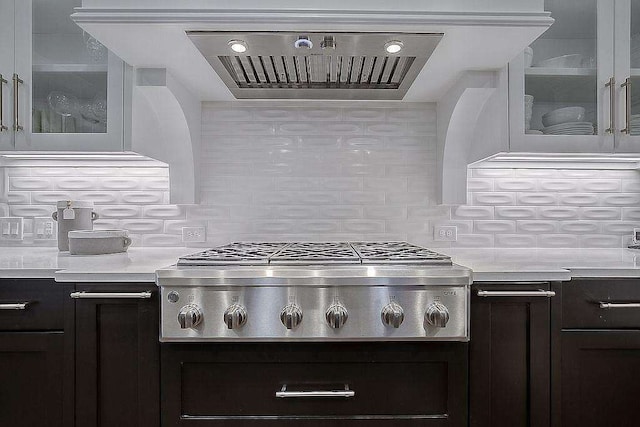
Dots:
pixel 14 306
pixel 538 293
pixel 343 394
pixel 111 295
pixel 608 305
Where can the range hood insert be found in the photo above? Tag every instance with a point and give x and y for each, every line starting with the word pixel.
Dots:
pixel 316 65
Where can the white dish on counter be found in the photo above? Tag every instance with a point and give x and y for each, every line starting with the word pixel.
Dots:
pixel 98 242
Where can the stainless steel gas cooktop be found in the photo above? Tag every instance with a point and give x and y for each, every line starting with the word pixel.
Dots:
pixel 311 291
pixel 262 253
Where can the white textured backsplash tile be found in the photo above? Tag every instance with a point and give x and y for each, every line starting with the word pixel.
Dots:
pixel 118 192
pixel 554 208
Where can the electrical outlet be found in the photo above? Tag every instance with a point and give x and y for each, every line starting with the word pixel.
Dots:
pixel 11 228
pixel 44 228
pixel 445 233
pixel 194 234
pixel 636 235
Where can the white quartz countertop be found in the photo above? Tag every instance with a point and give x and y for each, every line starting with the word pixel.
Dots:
pixel 136 265
pixel 544 264
pixel 488 264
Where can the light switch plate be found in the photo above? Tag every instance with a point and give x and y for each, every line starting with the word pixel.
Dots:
pixel 11 228
pixel 44 228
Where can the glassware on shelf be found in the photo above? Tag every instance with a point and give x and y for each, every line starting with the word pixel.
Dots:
pixel 96 50
pixel 66 106
pixel 528 111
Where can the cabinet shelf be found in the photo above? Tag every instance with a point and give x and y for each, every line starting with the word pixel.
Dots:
pixel 560 72
pixel 70 68
pixel 562 88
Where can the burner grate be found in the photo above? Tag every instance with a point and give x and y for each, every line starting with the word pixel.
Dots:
pixel 397 252
pixel 250 253
pixel 316 253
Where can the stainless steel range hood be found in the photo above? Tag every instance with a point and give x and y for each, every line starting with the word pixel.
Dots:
pixel 316 65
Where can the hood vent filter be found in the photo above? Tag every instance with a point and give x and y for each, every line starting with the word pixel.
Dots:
pixel 353 66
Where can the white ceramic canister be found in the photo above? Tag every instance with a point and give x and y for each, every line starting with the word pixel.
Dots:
pixel 98 242
pixel 73 215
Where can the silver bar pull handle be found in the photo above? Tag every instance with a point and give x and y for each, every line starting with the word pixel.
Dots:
pixel 538 293
pixel 627 105
pixel 15 306
pixel 608 305
pixel 16 114
pixel 111 295
pixel 3 81
pixel 330 394
pixel 611 84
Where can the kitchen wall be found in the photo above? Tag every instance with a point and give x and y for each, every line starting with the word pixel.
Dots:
pixel 127 194
pixel 319 171
pixel 332 171
pixel 542 207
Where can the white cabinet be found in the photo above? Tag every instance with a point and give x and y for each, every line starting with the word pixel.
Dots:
pixel 64 90
pixel 580 62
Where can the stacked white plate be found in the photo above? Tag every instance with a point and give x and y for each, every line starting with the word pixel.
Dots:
pixel 570 128
pixel 635 124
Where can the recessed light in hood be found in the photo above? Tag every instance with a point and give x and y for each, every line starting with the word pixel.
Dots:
pixel 238 46
pixel 287 65
pixel 393 46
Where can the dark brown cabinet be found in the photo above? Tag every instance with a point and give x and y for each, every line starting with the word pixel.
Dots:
pixel 36 354
pixel 31 379
pixel 509 364
pixel 117 356
pixel 598 368
pixel 238 385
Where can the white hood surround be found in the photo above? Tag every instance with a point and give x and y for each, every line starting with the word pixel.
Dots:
pixel 477 35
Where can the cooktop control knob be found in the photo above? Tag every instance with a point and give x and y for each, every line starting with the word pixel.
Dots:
pixel 336 315
pixel 235 316
pixel 437 315
pixel 189 316
pixel 392 314
pixel 291 316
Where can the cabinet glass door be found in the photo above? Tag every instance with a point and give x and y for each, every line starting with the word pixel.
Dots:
pixel 564 98
pixel 561 79
pixel 634 75
pixel 72 90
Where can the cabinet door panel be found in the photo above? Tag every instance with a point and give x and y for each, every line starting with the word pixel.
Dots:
pixel 31 379
pixel 600 372
pixel 117 360
pixel 569 67
pixel 72 95
pixel 509 359
pixel 6 71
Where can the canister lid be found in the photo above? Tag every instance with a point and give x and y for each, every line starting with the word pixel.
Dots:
pixel 97 234
pixel 62 204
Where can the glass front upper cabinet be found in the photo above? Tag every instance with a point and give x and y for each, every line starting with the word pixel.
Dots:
pixel 72 85
pixel 560 86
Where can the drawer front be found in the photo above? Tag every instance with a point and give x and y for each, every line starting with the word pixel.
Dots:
pixel 31 305
pixel 422 386
pixel 601 304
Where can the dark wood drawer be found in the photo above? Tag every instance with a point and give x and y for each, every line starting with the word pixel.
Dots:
pixel 582 298
pixel 217 385
pixel 44 309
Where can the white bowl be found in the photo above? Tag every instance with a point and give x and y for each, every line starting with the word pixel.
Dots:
pixel 563 115
pixel 564 61
pixel 528 57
